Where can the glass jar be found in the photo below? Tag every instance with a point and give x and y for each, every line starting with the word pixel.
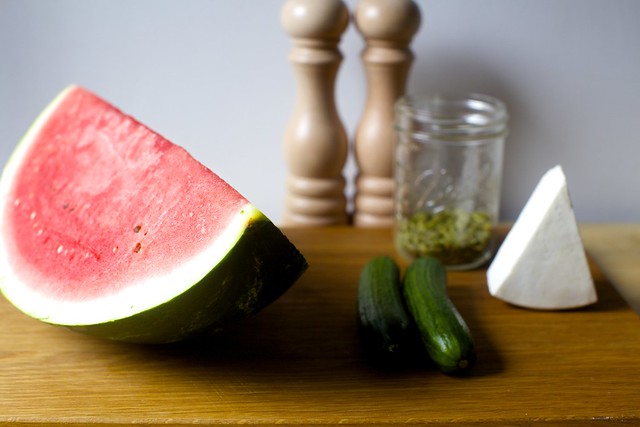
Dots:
pixel 448 174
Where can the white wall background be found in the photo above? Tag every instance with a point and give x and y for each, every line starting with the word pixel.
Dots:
pixel 213 76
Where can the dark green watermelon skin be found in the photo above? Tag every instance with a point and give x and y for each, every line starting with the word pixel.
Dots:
pixel 257 270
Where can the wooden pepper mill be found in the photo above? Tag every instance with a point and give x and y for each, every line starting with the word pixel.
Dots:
pixel 315 143
pixel 388 27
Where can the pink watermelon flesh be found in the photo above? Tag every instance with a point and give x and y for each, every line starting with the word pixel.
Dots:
pixel 99 189
pixel 109 229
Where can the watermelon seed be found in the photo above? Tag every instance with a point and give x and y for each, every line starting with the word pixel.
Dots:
pixel 137 228
pixel 115 249
pixel 137 248
pixel 60 248
pixel 65 205
pixel 32 216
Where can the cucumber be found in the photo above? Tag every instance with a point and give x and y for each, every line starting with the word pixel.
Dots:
pixel 445 334
pixel 385 324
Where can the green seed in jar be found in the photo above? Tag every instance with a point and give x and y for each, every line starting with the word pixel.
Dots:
pixel 454 236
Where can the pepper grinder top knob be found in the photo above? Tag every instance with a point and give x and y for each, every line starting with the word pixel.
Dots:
pixel 315 19
pixel 387 21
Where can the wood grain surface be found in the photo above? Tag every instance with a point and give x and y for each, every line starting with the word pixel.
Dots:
pixel 615 248
pixel 299 362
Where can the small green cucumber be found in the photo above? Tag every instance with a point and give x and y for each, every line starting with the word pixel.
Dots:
pixel 383 318
pixel 445 334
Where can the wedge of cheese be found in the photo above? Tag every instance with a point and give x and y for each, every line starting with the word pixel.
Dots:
pixel 542 262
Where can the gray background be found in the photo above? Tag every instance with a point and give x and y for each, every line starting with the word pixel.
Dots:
pixel 213 76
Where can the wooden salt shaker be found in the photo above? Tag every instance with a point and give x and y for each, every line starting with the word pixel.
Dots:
pixel 388 27
pixel 315 142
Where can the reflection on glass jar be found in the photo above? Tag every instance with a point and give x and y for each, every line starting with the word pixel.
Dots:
pixel 448 175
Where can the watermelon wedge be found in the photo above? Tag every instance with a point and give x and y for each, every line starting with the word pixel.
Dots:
pixel 109 229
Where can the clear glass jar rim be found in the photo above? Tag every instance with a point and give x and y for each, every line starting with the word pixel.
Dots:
pixel 424 108
pixel 451 114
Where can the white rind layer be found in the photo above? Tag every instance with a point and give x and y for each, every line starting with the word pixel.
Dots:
pixel 10 286
pixel 542 263
pixel 130 300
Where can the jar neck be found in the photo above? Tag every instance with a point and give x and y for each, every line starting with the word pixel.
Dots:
pixel 451 117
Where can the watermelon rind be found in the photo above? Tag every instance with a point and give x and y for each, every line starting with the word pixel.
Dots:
pixel 246 270
pixel 257 270
pixel 242 271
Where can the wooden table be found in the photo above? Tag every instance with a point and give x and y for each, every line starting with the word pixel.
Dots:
pixel 299 362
